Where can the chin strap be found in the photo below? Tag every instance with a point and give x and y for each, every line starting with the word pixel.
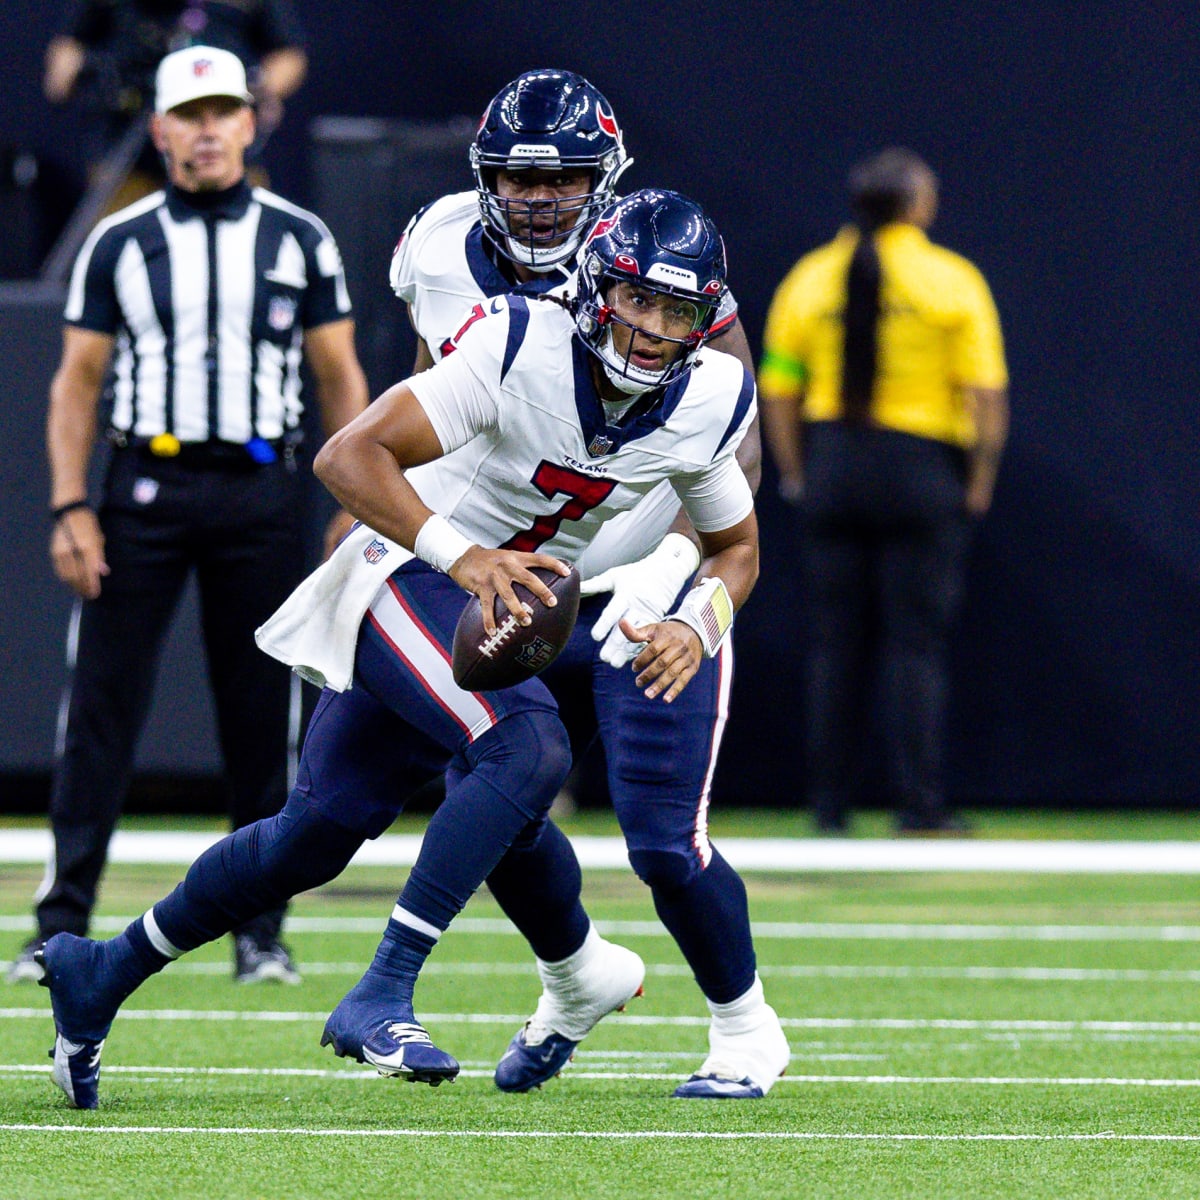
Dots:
pixel 708 609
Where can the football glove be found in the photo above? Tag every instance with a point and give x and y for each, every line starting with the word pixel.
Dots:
pixel 643 592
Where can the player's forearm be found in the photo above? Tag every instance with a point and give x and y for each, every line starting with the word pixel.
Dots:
pixel 732 556
pixel 70 436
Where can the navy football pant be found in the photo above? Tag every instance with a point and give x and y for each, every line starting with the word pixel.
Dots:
pixel 402 723
pixel 660 760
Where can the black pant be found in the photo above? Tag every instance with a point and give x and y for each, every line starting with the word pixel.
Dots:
pixel 238 526
pixel 884 560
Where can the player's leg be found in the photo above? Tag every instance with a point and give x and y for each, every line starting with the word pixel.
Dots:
pixel 358 763
pixel 113 646
pixel 538 884
pixel 250 557
pixel 661 761
pixel 511 757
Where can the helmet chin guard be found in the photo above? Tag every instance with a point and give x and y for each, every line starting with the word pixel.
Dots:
pixel 661 244
pixel 553 121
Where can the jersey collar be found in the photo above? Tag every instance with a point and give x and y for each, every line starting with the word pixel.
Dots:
pixel 492 274
pixel 646 415
pixel 230 204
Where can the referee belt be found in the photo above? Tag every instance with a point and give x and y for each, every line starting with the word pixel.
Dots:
pixel 212 454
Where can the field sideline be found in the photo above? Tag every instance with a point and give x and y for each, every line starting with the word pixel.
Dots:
pixel 982 1033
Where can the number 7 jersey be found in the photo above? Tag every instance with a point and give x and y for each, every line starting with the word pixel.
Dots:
pixel 539 465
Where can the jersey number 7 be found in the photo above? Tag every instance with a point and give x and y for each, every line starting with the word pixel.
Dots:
pixel 583 491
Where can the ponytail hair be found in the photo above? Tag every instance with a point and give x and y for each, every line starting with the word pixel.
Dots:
pixel 882 189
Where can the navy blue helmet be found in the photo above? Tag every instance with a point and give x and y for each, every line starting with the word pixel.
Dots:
pixel 661 250
pixel 555 121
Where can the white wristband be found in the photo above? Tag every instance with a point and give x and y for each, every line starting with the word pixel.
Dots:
pixel 708 609
pixel 679 556
pixel 440 545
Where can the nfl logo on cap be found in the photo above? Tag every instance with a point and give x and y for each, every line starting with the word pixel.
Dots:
pixel 197 72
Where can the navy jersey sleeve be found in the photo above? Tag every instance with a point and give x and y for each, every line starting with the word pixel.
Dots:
pixel 326 297
pixel 87 21
pixel 276 26
pixel 92 297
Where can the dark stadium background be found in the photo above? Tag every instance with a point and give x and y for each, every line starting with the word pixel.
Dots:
pixel 1065 137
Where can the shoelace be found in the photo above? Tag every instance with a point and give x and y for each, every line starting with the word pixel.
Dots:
pixel 408 1033
pixel 721 1069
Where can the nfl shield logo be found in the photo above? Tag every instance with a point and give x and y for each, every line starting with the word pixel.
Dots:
pixel 281 313
pixel 375 551
pixel 600 445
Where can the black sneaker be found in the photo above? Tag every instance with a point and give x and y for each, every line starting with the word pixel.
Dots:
pixel 25 968
pixel 255 961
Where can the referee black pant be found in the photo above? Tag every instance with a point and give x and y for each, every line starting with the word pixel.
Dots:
pixel 884 561
pixel 238 526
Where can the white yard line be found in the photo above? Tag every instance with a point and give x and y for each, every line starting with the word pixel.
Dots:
pixel 577 1072
pixel 746 854
pixel 605 1135
pixel 926 1023
pixel 983 974
pixel 787 930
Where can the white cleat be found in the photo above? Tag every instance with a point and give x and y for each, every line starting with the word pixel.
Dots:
pixel 747 1052
pixel 599 978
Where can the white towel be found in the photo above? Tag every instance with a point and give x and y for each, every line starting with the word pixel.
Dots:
pixel 315 630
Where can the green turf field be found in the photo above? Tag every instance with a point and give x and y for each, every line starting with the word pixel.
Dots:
pixel 1034 1036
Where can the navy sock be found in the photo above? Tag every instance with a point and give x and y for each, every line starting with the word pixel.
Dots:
pixel 386 989
pixel 709 919
pixel 538 886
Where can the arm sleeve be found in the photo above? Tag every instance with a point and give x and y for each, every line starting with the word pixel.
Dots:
pixel 782 370
pixel 716 497
pixel 92 296
pixel 326 298
pixel 455 396
pixel 978 344
pixel 277 26
pixel 87 21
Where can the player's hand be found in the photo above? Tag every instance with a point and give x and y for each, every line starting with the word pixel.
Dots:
pixel 492 573
pixel 642 592
pixel 77 552
pixel 670 655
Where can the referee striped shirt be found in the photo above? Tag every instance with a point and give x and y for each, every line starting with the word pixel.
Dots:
pixel 208 296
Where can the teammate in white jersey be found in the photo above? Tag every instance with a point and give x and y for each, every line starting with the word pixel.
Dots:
pixel 531 392
pixel 547 152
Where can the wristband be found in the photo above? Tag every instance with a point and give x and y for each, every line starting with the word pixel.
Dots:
pixel 440 545
pixel 57 514
pixel 709 611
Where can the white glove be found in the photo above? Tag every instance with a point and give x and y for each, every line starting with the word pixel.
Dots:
pixel 643 591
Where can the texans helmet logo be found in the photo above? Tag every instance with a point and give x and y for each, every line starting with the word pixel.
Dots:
pixel 608 123
pixel 601 228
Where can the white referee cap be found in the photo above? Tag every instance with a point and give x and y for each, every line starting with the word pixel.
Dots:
pixel 199 71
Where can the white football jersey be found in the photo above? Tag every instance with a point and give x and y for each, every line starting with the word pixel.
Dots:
pixel 531 462
pixel 442 270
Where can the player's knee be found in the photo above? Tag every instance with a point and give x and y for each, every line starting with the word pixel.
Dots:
pixel 302 848
pixel 664 870
pixel 527 757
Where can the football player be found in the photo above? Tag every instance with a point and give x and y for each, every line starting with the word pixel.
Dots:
pixel 536 400
pixel 547 155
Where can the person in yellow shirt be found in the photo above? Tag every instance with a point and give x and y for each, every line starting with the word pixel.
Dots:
pixel 883 390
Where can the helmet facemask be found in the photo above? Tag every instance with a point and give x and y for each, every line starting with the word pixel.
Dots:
pixel 542 234
pixel 675 318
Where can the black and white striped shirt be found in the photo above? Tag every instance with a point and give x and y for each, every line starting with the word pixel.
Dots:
pixel 208 296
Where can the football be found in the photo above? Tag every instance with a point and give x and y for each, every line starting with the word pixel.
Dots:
pixel 515 652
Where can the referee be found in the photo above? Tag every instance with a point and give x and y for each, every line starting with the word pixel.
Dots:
pixel 884 394
pixel 196 305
